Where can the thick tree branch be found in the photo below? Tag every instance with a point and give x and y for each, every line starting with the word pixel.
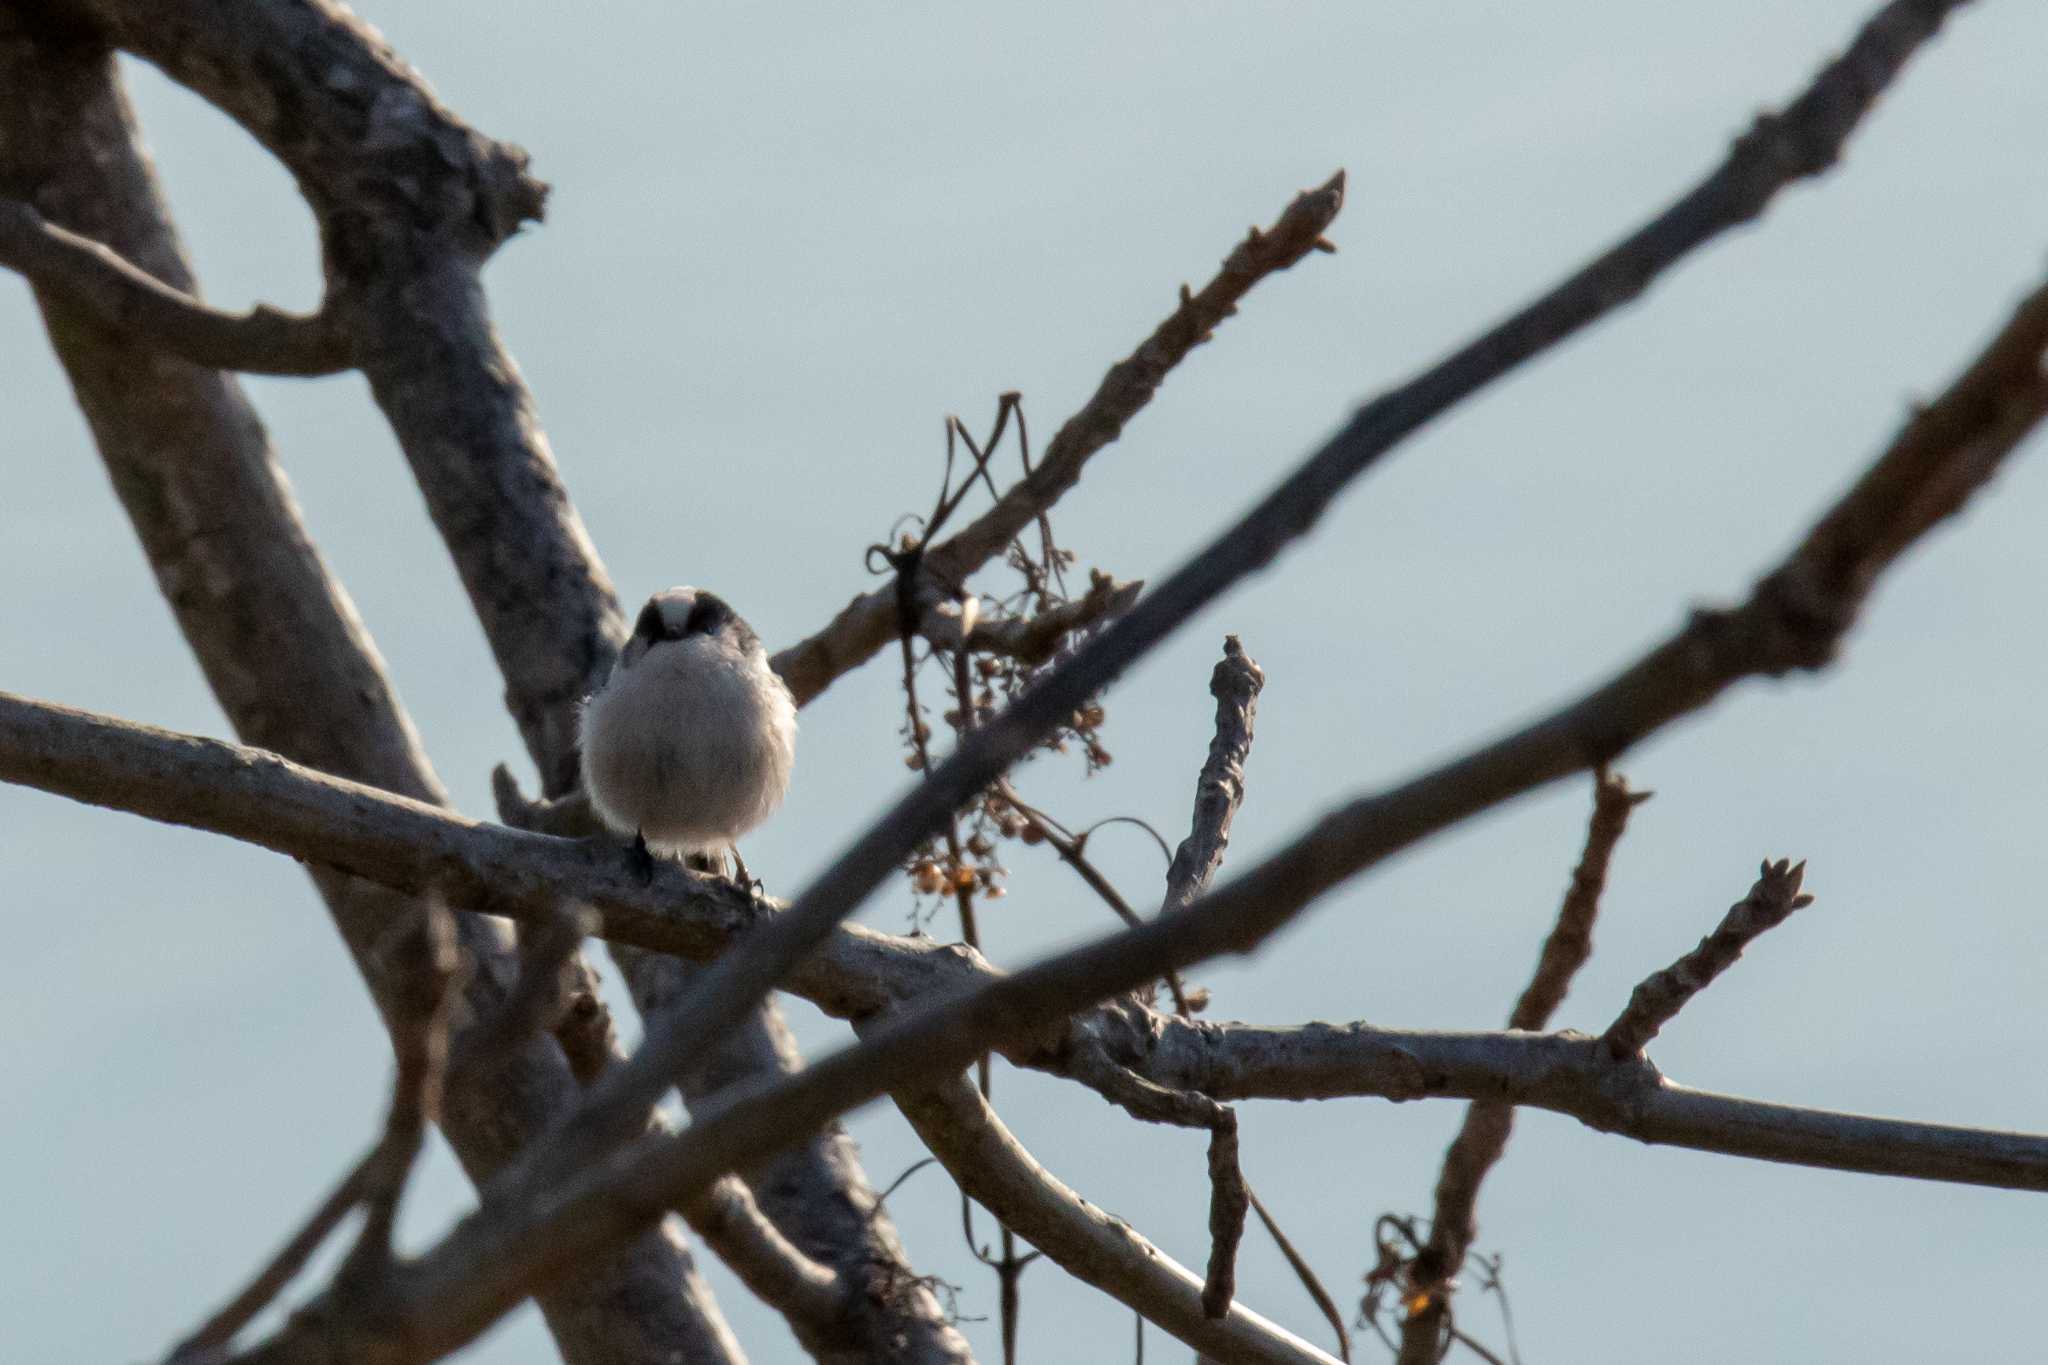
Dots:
pixel 958 1127
pixel 809 1296
pixel 278 639
pixel 518 1239
pixel 848 1286
pixel 324 92
pixel 871 620
pixel 1783 631
pixel 862 972
pixel 1375 827
pixel 410 201
pixel 125 297
pixel 1792 620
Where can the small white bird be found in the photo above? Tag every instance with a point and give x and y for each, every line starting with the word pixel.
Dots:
pixel 689 743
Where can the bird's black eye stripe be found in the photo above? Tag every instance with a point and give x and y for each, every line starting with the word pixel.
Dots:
pixel 648 627
pixel 708 615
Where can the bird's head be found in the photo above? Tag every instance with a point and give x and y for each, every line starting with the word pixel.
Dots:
pixel 682 614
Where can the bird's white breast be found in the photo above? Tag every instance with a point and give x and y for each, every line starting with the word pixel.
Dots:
pixel 691 746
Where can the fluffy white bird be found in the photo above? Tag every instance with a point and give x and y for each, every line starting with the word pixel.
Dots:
pixel 689 743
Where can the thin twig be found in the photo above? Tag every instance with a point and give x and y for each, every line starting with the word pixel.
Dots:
pixel 1070 852
pixel 1657 1001
pixel 1483 1137
pixel 1229 1198
pixel 857 633
pixel 1791 623
pixel 1219 788
pixel 429 975
pixel 426 977
pixel 1235 683
pixel 1034 639
pixel 1304 1272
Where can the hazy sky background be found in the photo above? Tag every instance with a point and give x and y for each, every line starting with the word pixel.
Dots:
pixel 783 244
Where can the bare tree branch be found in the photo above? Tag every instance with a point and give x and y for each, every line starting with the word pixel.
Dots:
pixel 815 1191
pixel 1235 683
pixel 1070 852
pixel 818 1191
pixel 516 1241
pixel 1781 148
pixel 1229 1200
pixel 810 1297
pixel 1657 1001
pixel 551 978
pixel 1219 788
pixel 410 201
pixel 123 296
pixel 278 639
pixel 1573 1074
pixel 1793 620
pixel 988 1163
pixel 1483 1136
pixel 1034 639
pixel 429 968
pixel 1077 978
pixel 870 621
pixel 429 972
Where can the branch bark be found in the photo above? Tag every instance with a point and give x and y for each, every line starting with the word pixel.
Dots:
pixel 872 620
pixel 1657 1001
pixel 1781 148
pixel 410 201
pixel 1219 788
pixel 1483 1137
pixel 128 299
pixel 993 1168
pixel 278 639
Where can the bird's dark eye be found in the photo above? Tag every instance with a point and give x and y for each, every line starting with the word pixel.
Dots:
pixel 707 616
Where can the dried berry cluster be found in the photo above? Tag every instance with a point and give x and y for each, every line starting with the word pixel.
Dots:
pixel 962 863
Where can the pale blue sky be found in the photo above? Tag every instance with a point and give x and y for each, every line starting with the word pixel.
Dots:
pixel 783 244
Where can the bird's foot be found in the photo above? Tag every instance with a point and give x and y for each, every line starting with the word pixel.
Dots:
pixel 744 879
pixel 640 859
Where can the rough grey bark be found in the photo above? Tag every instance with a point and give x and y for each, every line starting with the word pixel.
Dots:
pixel 1094 1246
pixel 410 202
pixel 816 1191
pixel 1036 1018
pixel 278 640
